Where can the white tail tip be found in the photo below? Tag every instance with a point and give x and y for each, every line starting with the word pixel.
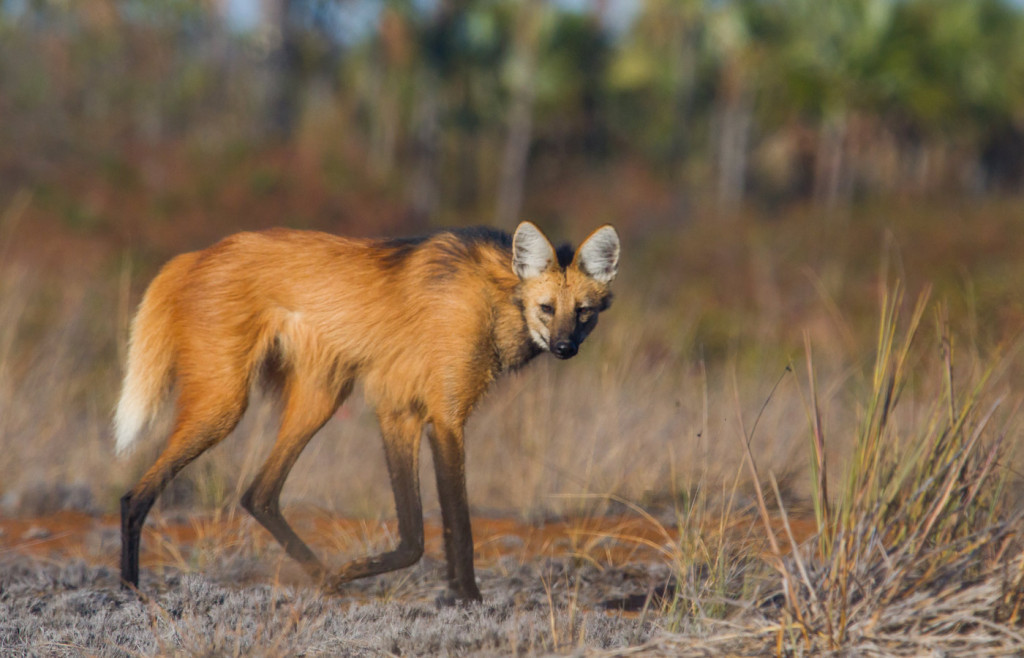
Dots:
pixel 129 421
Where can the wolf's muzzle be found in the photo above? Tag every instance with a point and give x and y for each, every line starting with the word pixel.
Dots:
pixel 564 349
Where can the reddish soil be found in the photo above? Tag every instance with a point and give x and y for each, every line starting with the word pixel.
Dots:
pixel 601 540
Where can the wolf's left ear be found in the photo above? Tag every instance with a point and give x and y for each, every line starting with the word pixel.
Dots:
pixel 598 256
pixel 531 251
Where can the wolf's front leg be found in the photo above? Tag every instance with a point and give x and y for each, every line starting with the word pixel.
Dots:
pixel 450 469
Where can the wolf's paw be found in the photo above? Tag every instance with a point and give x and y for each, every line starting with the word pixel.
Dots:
pixel 453 596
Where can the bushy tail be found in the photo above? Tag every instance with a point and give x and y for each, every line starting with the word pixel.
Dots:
pixel 147 378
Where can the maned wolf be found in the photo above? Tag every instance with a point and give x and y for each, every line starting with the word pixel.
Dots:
pixel 426 323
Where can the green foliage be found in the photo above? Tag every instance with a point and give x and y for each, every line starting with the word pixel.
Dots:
pixel 843 98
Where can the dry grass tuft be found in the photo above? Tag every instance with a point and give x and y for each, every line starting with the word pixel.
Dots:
pixel 921 552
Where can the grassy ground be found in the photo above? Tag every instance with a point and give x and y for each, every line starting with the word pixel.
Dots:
pixel 859 373
pixel 74 608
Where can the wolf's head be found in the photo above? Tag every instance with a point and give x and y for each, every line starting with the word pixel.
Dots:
pixel 561 297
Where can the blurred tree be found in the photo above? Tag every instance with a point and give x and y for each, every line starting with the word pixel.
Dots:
pixel 390 61
pixel 654 81
pixel 521 79
pixel 733 50
pixel 456 101
pixel 818 74
pixel 309 51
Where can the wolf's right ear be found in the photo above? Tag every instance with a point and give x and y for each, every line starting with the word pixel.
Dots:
pixel 531 251
pixel 598 256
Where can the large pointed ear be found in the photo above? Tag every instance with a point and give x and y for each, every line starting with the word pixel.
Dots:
pixel 531 251
pixel 598 256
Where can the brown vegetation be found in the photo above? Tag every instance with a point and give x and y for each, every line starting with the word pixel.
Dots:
pixel 795 432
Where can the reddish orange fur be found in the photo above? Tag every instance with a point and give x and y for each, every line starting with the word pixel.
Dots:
pixel 425 325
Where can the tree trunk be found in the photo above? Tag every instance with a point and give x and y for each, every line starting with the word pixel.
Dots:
pixel 830 167
pixel 733 148
pixel 512 181
pixel 287 74
pixel 382 97
pixel 425 194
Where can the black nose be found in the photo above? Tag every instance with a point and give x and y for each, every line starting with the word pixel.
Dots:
pixel 563 349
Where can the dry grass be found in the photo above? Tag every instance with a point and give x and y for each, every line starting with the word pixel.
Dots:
pixel 694 405
pixel 921 550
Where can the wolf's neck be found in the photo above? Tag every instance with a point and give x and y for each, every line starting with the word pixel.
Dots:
pixel 512 340
pixel 513 346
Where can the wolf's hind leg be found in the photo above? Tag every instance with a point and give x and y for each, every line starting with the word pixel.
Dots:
pixel 307 408
pixel 402 432
pixel 206 414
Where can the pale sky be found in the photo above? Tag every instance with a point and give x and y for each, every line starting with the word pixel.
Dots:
pixel 244 15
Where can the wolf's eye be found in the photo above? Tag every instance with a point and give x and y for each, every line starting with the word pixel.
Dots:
pixel 547 309
pixel 583 313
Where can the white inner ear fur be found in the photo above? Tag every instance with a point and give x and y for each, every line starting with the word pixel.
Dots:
pixel 531 251
pixel 598 256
